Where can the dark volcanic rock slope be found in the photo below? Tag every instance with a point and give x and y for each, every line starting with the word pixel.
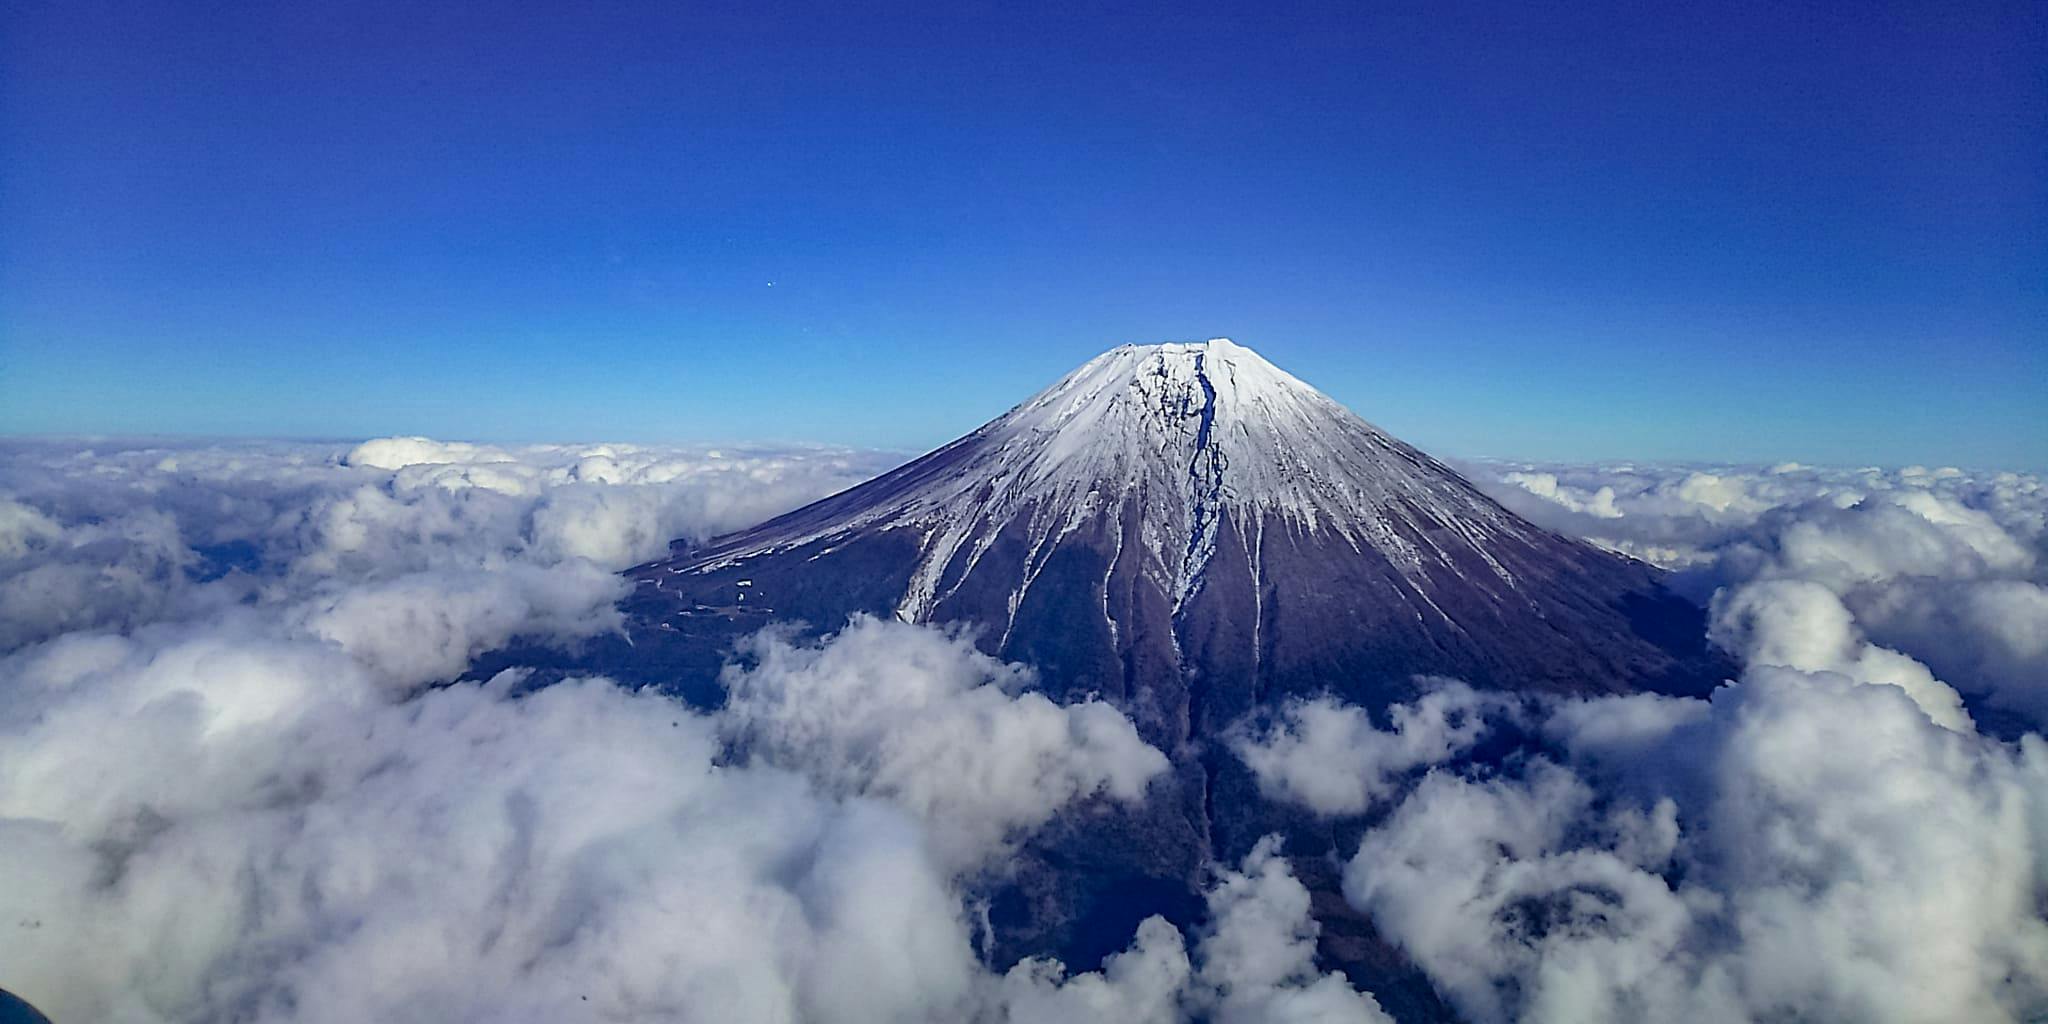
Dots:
pixel 1190 532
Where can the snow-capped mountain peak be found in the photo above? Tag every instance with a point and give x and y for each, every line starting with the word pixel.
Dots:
pixel 1181 435
pixel 1190 507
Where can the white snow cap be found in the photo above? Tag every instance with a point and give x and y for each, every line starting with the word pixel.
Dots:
pixel 1187 435
pixel 1175 396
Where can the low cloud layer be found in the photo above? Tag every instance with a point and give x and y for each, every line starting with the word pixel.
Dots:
pixel 1830 838
pixel 235 782
pixel 113 536
pixel 1943 568
pixel 1803 846
pixel 228 790
pixel 921 717
pixel 217 824
pixel 1329 757
pixel 1254 963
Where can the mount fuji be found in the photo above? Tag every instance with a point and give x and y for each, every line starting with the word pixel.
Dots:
pixel 1188 530
pixel 1194 535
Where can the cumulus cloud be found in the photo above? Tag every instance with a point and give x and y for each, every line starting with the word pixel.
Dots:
pixel 321 853
pixel 1912 533
pixel 1520 903
pixel 235 782
pixel 1254 963
pixel 405 452
pixel 1258 952
pixel 1598 503
pixel 1327 755
pixel 425 626
pixel 117 536
pixel 1939 567
pixel 1834 855
pixel 327 851
pixel 1990 632
pixel 227 790
pixel 922 717
pixel 23 529
pixel 1144 984
pixel 1829 838
pixel 119 570
pixel 1801 845
pixel 1803 625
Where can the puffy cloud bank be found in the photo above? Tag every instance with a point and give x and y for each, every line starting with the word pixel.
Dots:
pixel 1253 964
pixel 1902 576
pixel 1829 838
pixel 216 824
pixel 922 717
pixel 1800 847
pixel 1328 756
pixel 235 783
pixel 114 536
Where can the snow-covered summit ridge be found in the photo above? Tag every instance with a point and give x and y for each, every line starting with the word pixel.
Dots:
pixel 1189 437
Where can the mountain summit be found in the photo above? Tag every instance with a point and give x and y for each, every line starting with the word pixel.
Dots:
pixel 1187 529
pixel 1180 439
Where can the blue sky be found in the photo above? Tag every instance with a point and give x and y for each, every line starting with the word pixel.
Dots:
pixel 1745 231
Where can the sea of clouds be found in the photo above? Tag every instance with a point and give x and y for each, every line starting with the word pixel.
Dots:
pixel 236 785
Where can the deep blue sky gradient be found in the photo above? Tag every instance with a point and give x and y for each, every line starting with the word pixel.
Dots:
pixel 1744 231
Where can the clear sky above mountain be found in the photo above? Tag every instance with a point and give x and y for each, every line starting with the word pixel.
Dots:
pixel 1743 231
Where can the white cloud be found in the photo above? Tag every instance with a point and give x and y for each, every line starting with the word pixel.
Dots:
pixel 1598 504
pixel 1803 625
pixel 1992 632
pixel 1482 883
pixel 225 795
pixel 1802 846
pixel 321 854
pixel 23 530
pixel 1258 952
pixel 425 626
pixel 1937 568
pixel 1254 963
pixel 1912 533
pixel 922 717
pixel 327 851
pixel 1828 839
pixel 1327 756
pixel 119 570
pixel 1144 984
pixel 116 537
pixel 224 792
pixel 402 452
